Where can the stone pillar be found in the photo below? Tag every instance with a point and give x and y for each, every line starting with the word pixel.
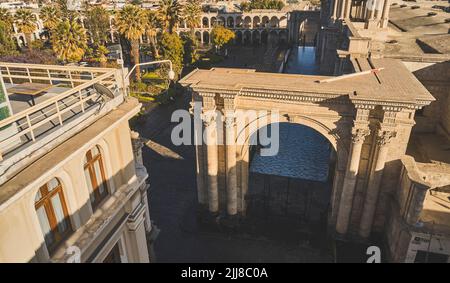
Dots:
pixel 385 15
pixel 370 203
pixel 202 195
pixel 137 145
pixel 351 173
pixel 212 157
pixel 348 7
pixel 230 128
pixel 137 241
pixel 341 9
pixel 335 7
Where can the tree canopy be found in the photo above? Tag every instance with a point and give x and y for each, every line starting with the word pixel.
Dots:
pixel 221 36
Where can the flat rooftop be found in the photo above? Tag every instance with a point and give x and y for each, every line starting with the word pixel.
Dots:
pixel 417 33
pixel 394 83
pixel 47 104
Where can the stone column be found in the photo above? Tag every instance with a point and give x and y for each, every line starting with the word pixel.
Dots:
pixel 202 195
pixel 137 240
pixel 385 15
pixel 231 164
pixel 335 6
pixel 341 9
pixel 348 7
pixel 212 157
pixel 351 173
pixel 370 203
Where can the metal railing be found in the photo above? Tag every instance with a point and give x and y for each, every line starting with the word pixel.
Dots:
pixel 79 96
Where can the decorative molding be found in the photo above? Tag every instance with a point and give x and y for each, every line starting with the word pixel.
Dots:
pixel 384 137
pixel 359 134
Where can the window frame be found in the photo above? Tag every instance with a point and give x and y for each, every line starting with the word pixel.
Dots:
pixel 90 166
pixel 46 202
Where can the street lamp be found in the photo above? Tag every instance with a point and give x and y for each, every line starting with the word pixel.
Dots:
pixel 171 72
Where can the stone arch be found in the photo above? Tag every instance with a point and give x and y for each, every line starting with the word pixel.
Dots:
pixel 213 21
pixel 247 22
pixel 198 36
pixel 339 156
pixel 265 21
pixel 21 40
pixel 256 22
pixel 230 22
pixel 221 21
pixel 253 126
pixel 206 37
pixel 239 22
pixel 205 22
pixel 274 22
pixel 283 21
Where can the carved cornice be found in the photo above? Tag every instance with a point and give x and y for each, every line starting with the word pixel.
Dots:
pixel 295 96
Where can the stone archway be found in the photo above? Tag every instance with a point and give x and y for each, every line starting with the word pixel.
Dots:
pixel 284 191
pixel 206 37
pixel 365 133
pixel 230 22
pixel 239 22
pixel 205 22
pixel 256 22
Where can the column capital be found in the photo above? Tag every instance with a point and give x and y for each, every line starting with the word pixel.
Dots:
pixel 384 137
pixel 359 134
pixel 209 117
pixel 230 121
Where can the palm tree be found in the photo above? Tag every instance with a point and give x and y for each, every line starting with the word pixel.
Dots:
pixel 69 41
pixel 169 13
pixel 6 17
pixel 26 23
pixel 50 17
pixel 192 14
pixel 152 31
pixel 132 22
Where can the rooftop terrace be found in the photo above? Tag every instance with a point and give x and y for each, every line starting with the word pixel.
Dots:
pixel 49 104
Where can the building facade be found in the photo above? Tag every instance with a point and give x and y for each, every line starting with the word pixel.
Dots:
pixel 73 187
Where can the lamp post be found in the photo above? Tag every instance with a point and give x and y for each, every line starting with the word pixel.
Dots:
pixel 171 72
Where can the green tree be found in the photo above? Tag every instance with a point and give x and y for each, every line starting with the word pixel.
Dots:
pixel 69 41
pixel 245 7
pixel 26 23
pixel 50 16
pixel 7 45
pixel 152 31
pixel 171 48
pixel 100 54
pixel 169 14
pixel 97 23
pixel 132 22
pixel 192 14
pixel 221 36
pixel 6 18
